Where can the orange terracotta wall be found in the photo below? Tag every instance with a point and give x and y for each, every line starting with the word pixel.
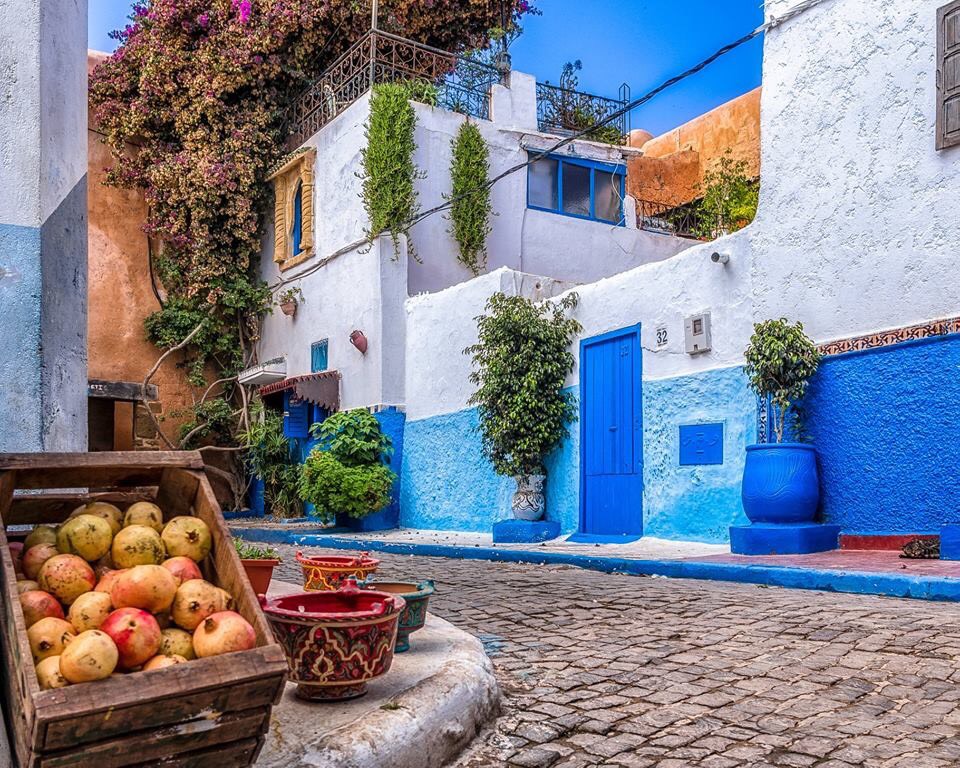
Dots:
pixel 120 295
pixel 673 165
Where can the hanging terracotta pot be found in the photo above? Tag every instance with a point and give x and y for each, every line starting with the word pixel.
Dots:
pixel 359 341
pixel 289 308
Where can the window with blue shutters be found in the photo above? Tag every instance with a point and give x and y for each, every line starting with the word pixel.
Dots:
pixel 573 186
pixel 297 234
pixel 318 356
pixel 296 416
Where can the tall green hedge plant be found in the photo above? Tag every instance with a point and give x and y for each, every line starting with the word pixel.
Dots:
pixel 470 207
pixel 520 363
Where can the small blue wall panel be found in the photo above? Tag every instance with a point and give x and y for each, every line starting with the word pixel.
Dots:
pixel 296 417
pixel 885 424
pixel 318 356
pixel 701 444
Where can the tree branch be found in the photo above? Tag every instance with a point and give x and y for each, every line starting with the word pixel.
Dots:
pixel 152 373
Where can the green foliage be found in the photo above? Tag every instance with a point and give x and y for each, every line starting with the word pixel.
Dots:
pixel 344 473
pixel 269 458
pixel 471 207
pixel 576 111
pixel 354 438
pixel 212 421
pixel 520 363
pixel 730 198
pixel 249 551
pixel 781 359
pixel 333 487
pixel 420 90
pixel 389 174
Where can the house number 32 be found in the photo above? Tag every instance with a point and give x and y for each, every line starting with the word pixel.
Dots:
pixel 662 336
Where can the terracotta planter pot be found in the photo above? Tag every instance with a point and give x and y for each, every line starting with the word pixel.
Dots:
pixel 259 573
pixel 289 308
pixel 328 572
pixel 414 616
pixel 335 642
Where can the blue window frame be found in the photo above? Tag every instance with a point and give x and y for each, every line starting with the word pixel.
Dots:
pixel 572 186
pixel 318 356
pixel 297 234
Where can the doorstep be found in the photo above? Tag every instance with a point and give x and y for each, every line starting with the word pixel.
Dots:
pixel 421 714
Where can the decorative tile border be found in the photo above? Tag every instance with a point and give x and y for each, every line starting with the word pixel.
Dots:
pixel 896 336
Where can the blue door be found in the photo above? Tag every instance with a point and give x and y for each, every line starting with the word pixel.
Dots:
pixel 611 446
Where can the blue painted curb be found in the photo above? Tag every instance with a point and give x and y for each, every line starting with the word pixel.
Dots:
pixel 854 582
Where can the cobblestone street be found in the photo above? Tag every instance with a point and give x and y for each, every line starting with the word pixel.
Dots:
pixel 607 670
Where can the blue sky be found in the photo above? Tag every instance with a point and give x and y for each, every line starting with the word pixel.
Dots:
pixel 641 42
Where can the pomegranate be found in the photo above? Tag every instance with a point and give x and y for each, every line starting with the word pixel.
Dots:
pixel 149 587
pixel 37 605
pixel 108 512
pixel 136 635
pixel 48 673
pixel 183 568
pixel 66 577
pixel 223 632
pixel 177 642
pixel 107 580
pixel 89 611
pixel 187 537
pixel 35 557
pixel 195 600
pixel 144 513
pixel 48 637
pixel 159 662
pixel 137 545
pixel 25 585
pixel 90 656
pixel 42 534
pixel 88 536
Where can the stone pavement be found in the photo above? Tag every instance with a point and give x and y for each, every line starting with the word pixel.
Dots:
pixel 610 670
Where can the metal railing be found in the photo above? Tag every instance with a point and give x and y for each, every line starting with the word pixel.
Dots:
pixel 565 112
pixel 678 220
pixel 455 82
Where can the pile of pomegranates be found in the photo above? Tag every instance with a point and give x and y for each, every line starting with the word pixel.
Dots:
pixel 110 591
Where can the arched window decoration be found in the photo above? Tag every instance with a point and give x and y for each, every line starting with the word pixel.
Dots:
pixel 293 212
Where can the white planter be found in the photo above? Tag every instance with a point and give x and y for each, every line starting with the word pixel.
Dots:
pixel 529 501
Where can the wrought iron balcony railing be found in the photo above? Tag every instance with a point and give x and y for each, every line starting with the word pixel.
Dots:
pixel 565 112
pixel 678 220
pixel 458 83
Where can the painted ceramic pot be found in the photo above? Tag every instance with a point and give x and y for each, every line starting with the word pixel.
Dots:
pixel 780 483
pixel 328 572
pixel 414 616
pixel 335 642
pixel 529 501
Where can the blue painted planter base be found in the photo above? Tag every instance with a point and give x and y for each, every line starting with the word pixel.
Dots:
pixel 783 539
pixel 950 541
pixel 524 531
pixel 597 538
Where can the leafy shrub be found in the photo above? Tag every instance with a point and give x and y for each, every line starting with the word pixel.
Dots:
pixel 781 360
pixel 471 207
pixel 269 458
pixel 730 198
pixel 249 551
pixel 344 473
pixel 521 360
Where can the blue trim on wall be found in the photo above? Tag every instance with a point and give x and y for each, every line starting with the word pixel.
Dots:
pixel 884 423
pixel 889 584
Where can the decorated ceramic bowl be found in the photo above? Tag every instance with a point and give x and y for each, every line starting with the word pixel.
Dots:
pixel 326 572
pixel 414 616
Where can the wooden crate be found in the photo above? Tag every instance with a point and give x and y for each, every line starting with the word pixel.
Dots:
pixel 207 712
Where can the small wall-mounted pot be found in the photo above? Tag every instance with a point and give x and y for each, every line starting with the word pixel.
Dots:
pixel 358 340
pixel 289 308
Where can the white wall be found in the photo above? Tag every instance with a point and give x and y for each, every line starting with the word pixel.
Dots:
pixel 859 219
pixel 360 290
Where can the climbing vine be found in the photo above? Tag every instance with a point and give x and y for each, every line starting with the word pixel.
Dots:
pixel 470 208
pixel 201 89
pixel 388 172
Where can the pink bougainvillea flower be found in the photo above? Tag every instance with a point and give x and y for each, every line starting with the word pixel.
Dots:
pixel 243 9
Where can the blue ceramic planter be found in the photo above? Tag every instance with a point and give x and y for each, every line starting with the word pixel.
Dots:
pixel 780 483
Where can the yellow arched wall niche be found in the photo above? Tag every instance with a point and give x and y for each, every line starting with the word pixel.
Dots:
pixel 295 170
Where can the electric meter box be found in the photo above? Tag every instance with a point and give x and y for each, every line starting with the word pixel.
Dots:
pixel 696 333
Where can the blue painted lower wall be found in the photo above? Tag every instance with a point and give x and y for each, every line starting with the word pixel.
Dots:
pixel 886 424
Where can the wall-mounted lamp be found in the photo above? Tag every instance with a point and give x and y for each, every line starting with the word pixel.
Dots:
pixel 720 258
pixel 359 341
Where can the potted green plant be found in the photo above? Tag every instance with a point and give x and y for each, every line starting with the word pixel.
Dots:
pixel 345 474
pixel 780 480
pixel 258 562
pixel 269 458
pixel 521 360
pixel 288 301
